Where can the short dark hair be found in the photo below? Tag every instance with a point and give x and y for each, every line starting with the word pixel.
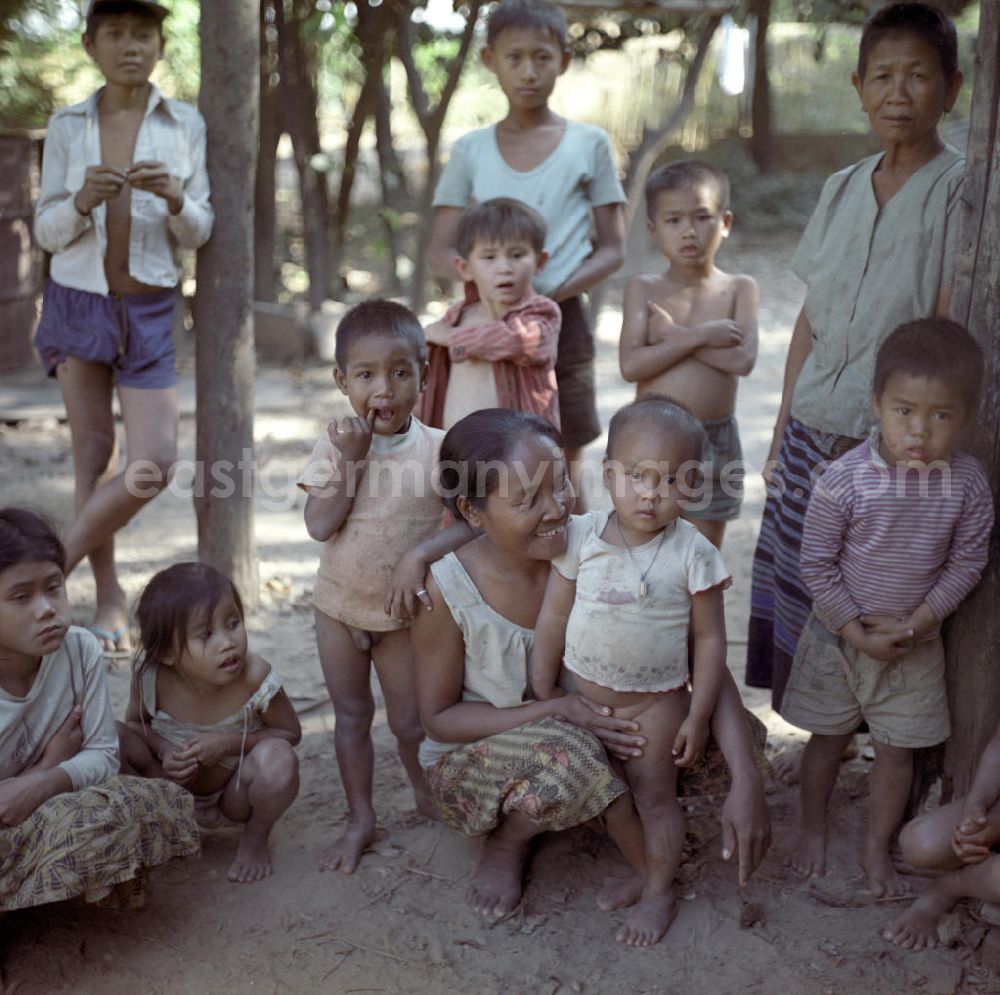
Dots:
pixel 536 15
pixel 501 219
pixel 28 537
pixel 919 19
pixel 669 415
pixel 474 448
pixel 684 174
pixel 167 604
pixel 378 317
pixel 932 349
pixel 115 8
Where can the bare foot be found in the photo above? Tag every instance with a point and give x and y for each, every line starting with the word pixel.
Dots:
pixel 252 861
pixel 620 893
pixel 916 928
pixel 495 889
pixel 425 803
pixel 883 880
pixel 110 625
pixel 346 852
pixel 785 766
pixel 648 921
pixel 809 856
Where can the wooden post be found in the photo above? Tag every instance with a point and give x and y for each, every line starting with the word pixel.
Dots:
pixel 973 637
pixel 230 80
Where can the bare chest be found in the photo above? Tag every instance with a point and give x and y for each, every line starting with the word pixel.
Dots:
pixel 689 306
pixel 181 703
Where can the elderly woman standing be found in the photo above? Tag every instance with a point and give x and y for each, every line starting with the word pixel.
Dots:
pixel 878 251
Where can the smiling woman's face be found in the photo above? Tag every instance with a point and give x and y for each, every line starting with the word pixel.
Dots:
pixel 904 91
pixel 528 511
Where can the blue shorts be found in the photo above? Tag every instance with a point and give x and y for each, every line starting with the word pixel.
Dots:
pixel 130 333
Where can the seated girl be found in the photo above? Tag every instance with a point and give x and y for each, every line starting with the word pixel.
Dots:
pixel 69 825
pixel 503 767
pixel 207 713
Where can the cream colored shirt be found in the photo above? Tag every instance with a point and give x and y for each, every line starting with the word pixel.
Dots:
pixel 617 638
pixel 74 674
pixel 472 386
pixel 496 649
pixel 395 508
pixel 867 270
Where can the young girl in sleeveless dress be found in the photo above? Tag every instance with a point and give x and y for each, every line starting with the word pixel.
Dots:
pixel 207 713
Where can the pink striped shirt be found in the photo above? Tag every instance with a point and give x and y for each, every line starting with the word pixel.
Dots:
pixel 521 346
pixel 880 540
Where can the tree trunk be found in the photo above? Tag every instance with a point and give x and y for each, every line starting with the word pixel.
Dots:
pixel 229 33
pixel 762 141
pixel 431 122
pixel 372 25
pixel 392 182
pixel 265 225
pixel 300 103
pixel 972 639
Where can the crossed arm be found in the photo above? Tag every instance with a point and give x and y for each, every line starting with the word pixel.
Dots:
pixel 652 342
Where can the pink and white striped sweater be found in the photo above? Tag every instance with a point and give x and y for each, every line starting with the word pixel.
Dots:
pixel 882 540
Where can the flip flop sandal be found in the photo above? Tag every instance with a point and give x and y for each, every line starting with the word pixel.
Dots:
pixel 112 637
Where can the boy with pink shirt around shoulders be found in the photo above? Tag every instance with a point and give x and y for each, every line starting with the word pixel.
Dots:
pixel 895 537
pixel 497 348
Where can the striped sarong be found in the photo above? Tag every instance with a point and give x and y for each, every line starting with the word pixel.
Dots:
pixel 779 600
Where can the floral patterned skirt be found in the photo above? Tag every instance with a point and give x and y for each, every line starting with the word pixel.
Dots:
pixel 98 843
pixel 555 773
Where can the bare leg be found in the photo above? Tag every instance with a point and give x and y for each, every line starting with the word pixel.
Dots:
pixel 925 842
pixel 916 928
pixel 654 786
pixel 346 670
pixel 136 756
pixel 269 782
pixel 151 441
pixel 86 390
pixel 495 889
pixel 888 789
pixel 623 826
pixel 394 664
pixel 820 763
pixel 712 531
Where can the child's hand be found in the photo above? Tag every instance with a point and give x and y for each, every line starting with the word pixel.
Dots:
pixel 974 838
pixel 408 587
pixel 67 741
pixel 156 178
pixel 721 334
pixel 689 744
pixel 178 768
pixel 100 183
pixel 352 436
pixel 439 333
pixel 888 640
pixel 19 797
pixel 660 323
pixel 206 748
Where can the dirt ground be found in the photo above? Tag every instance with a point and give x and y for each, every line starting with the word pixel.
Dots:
pixel 399 925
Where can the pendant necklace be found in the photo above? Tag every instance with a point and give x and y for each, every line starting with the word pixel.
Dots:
pixel 643 588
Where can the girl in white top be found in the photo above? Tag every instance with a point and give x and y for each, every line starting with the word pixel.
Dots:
pixel 207 713
pixel 616 613
pixel 69 825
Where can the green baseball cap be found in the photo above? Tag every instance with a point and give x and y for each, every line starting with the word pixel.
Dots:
pixel 154 8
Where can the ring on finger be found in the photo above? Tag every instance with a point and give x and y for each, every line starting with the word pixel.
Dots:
pixel 421 592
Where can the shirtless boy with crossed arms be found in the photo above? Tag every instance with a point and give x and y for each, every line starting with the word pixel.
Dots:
pixel 688 333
